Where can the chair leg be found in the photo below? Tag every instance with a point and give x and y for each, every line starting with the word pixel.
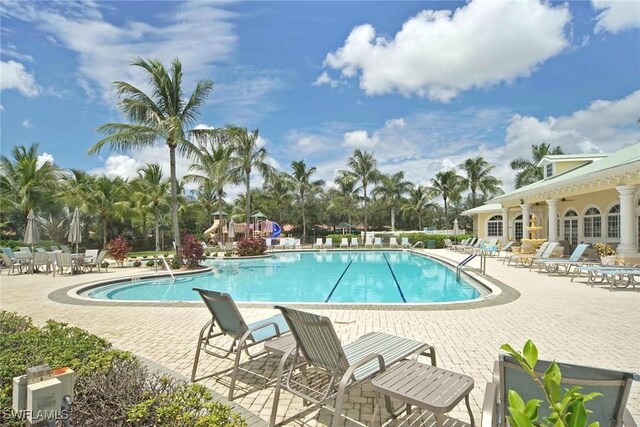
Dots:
pixel 337 414
pixel 276 393
pixel 201 338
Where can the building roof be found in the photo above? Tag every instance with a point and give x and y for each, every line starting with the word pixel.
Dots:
pixel 619 168
pixel 555 158
pixel 490 207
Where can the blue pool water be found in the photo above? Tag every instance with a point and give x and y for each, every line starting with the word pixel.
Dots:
pixel 309 277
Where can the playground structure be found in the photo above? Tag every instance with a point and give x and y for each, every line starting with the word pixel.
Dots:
pixel 264 228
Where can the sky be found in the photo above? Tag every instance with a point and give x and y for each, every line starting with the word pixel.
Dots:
pixel 423 85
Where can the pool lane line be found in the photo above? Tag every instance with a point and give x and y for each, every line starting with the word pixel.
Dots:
pixel 394 277
pixel 339 279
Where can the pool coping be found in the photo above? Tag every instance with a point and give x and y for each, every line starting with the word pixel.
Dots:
pixel 500 294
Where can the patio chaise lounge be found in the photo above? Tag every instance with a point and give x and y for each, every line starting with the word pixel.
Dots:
pixel 344 242
pixel 393 242
pixel 368 241
pixel 331 368
pixel 514 256
pixel 328 243
pixel 609 409
pixel 226 321
pixel 553 265
pixel 354 242
pixel 529 260
pixel 377 242
pixel 405 242
pixel 318 244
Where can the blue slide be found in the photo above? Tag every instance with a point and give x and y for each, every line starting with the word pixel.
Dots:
pixel 276 230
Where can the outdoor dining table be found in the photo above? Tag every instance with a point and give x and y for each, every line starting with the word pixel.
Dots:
pixel 78 261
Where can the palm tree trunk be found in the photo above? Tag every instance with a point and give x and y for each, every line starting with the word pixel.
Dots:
pixel 393 218
pixel 220 218
pixel 156 214
pixel 104 232
pixel 419 220
pixel 446 214
pixel 247 231
pixel 174 201
pixel 304 220
pixel 366 225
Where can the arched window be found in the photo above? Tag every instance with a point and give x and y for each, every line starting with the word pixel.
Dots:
pixel 571 227
pixel 592 224
pixel 613 222
pixel 494 226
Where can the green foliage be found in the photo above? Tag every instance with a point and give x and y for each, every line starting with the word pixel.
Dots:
pixel 337 238
pixel 111 387
pixel 151 263
pixel 175 264
pixel 137 263
pixel 567 410
pixel 252 246
pixel 423 237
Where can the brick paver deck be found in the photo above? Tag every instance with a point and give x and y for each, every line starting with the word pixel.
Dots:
pixel 567 321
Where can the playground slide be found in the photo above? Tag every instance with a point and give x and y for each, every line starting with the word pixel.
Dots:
pixel 277 230
pixel 208 232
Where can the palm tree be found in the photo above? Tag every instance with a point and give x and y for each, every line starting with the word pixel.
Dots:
pixel 528 170
pixel 479 176
pixel 213 168
pixel 363 168
pixel 392 188
pixel 165 114
pixel 448 185
pixel 301 179
pixel 419 200
pixel 348 190
pixel 105 197
pixel 153 191
pixel 25 183
pixel 247 155
pixel 278 189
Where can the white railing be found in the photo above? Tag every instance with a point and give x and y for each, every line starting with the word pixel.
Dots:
pixel 166 265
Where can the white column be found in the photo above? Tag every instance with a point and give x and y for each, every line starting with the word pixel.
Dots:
pixel 627 244
pixel 552 213
pixel 505 224
pixel 526 213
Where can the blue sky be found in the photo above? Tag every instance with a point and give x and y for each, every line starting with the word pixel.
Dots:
pixel 423 85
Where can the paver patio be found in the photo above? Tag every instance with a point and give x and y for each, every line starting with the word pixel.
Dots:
pixel 568 321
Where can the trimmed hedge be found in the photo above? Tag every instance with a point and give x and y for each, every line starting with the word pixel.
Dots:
pixel 112 387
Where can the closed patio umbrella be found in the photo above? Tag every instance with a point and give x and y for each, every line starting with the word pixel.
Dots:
pixel 75 230
pixel 31 235
pixel 232 229
pixel 456 229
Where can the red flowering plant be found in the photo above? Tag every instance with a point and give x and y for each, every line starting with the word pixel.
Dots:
pixel 252 246
pixel 192 250
pixel 119 249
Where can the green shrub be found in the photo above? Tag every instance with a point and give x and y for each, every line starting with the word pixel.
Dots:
pixel 175 265
pixel 252 246
pixel 137 263
pixel 111 388
pixel 423 237
pixel 151 263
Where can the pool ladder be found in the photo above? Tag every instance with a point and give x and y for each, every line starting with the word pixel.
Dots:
pixel 467 260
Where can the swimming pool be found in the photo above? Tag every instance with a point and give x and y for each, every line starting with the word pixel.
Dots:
pixel 309 277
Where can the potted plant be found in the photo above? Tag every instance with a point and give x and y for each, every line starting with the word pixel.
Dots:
pixel 606 252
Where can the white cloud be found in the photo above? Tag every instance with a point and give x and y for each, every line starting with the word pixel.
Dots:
pixel 44 158
pixel 200 32
pixel 325 79
pixel 395 123
pixel 119 165
pixel 616 15
pixel 14 76
pixel 438 54
pixel 359 139
pixel 26 123
pixel 12 52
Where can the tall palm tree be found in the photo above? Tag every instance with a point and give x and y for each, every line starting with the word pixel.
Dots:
pixel 105 197
pixel 448 185
pixel 363 168
pixel 278 189
pixel 478 177
pixel 25 183
pixel 528 170
pixel 213 167
pixel 301 178
pixel 247 155
pixel 419 200
pixel 154 189
pixel 348 190
pixel 165 114
pixel 393 188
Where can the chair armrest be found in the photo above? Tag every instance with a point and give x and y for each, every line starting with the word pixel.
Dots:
pixel 257 328
pixel 627 419
pixel 362 361
pixel 489 406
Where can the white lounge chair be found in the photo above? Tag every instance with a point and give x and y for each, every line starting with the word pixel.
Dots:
pixel 354 242
pixel 318 243
pixel 344 242
pixel 328 243
pixel 404 242
pixel 377 242
pixel 393 242
pixel 369 241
